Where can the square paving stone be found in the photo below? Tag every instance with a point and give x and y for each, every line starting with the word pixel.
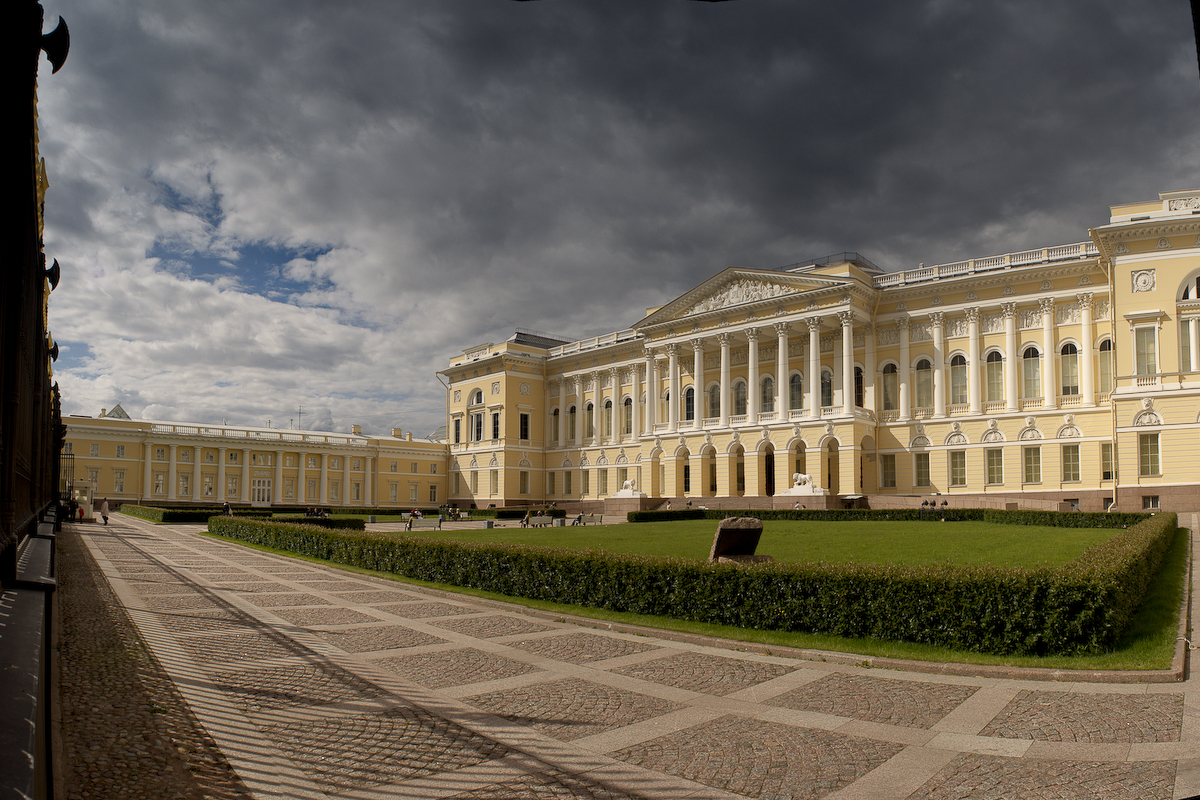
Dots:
pixel 971 776
pixel 251 587
pixel 179 602
pixel 1092 718
pixel 455 667
pixel 326 615
pixel 371 749
pixel 754 758
pixel 214 620
pixel 913 704
pixel 160 587
pixel 491 627
pixel 702 672
pixel 581 648
pixel 378 637
pixel 279 600
pixel 303 684
pixel 573 708
pixel 332 586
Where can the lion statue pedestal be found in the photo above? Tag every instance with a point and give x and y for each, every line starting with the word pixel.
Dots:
pixel 629 489
pixel 802 486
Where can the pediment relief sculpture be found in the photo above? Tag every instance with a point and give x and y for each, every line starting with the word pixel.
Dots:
pixel 744 290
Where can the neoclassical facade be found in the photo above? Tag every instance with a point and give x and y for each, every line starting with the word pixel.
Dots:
pixel 1069 374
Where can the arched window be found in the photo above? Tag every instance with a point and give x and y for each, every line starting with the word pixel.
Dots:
pixel 589 422
pixel 554 426
pixel 826 388
pixel 1106 366
pixel 891 387
pixel 796 392
pixel 628 421
pixel 714 400
pixel 1069 364
pixel 1032 372
pixel 859 388
pixel 689 403
pixel 958 380
pixel 768 395
pixel 739 398
pixel 478 397
pixel 608 418
pixel 924 383
pixel 995 376
pixel 571 415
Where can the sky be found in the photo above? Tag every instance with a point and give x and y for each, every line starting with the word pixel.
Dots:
pixel 294 212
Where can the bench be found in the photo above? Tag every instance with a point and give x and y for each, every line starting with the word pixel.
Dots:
pixel 426 523
pixel 540 520
pixel 405 516
pixel 589 519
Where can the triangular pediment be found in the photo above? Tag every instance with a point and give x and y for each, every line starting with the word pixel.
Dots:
pixel 739 287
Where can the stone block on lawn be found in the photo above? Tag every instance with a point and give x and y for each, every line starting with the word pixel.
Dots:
pixel 736 540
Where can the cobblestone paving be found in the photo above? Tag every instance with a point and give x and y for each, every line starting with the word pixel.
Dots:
pixel 159 587
pixel 219 619
pixel 326 615
pixel 977 777
pixel 573 708
pixel 762 759
pixel 370 749
pixel 378 637
pixel 455 667
pixel 332 586
pixel 307 684
pixel 702 672
pixel 126 731
pixel 233 646
pixel 491 627
pixel 1070 717
pixel 581 648
pixel 278 600
pixel 912 704
pixel 543 786
pixel 253 588
pixel 384 596
pixel 425 610
pixel 183 601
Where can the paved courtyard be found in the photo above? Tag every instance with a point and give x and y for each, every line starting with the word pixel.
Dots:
pixel 307 682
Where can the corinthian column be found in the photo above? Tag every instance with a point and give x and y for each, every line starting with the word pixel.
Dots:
pixel 672 387
pixel 1049 376
pixel 814 367
pixel 905 370
pixel 1011 359
pixel 723 340
pixel 1085 373
pixel 973 371
pixel 847 318
pixel 781 370
pixel 939 364
pixel 698 382
pixel 754 391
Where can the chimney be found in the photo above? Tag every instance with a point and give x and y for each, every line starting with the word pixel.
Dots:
pixel 397 433
pixel 409 436
pixel 103 411
pixel 356 430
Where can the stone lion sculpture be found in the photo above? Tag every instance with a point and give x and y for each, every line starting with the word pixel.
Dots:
pixel 800 479
pixel 629 484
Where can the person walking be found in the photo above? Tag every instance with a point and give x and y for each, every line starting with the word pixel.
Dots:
pixel 104 510
pixel 226 510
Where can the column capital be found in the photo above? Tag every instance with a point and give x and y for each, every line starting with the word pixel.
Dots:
pixel 724 339
pixel 1047 304
pixel 672 349
pixel 847 318
pixel 973 314
pixel 903 323
pixel 938 318
pixel 1010 310
pixel 782 328
pixel 1085 300
pixel 698 343
pixel 649 352
pixel 814 324
pixel 751 334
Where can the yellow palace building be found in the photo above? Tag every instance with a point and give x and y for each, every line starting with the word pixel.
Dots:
pixel 1061 377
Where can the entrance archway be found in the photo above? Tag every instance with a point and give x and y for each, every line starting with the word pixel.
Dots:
pixel 769 468
pixel 831 468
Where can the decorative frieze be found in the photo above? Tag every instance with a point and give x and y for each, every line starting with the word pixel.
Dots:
pixel 737 293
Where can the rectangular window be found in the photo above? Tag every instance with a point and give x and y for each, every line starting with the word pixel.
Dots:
pixel 1070 463
pixel 185 455
pixel 185 483
pixel 1148 455
pixel 712 476
pixel 231 486
pixel 456 484
pixel 119 480
pixel 687 478
pixel 412 467
pixel 210 478
pixel 995 466
pixel 567 482
pixel 474 481
pixel 160 454
pixel 921 469
pixel 120 451
pixel 233 458
pixel 1146 342
pixel 1033 465
pixel 160 483
pixel 1149 502
pixel 477 427
pixel 395 467
pixel 93 477
pixel 312 462
pixel 356 490
pixel 433 492
pixel 288 461
pixel 1106 461
pixel 433 468
pixel 356 464
pixel 958 467
pixel 524 481
pixel 457 431
pixel 393 492
pixel 584 481
pixel 602 480
pixel 335 489
pixel 549 483
pixel 524 426
pixel 1185 346
pixel 412 492
pixel 69 447
pixel 495 424
pixel 622 476
pixel 887 470
pixel 495 481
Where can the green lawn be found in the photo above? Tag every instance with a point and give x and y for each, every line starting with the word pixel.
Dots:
pixel 910 543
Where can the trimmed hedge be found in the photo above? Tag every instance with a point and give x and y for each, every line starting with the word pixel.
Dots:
pixel 519 513
pixel 341 523
pixel 155 514
pixel 1057 519
pixel 1080 607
